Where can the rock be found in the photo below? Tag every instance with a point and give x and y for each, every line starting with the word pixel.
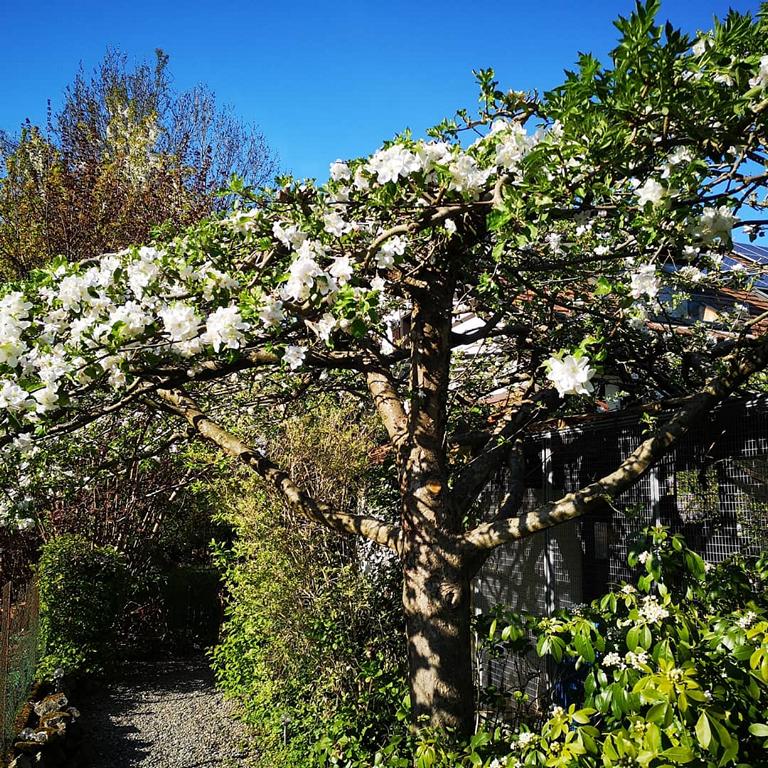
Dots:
pixel 57 720
pixel 52 703
pixel 22 761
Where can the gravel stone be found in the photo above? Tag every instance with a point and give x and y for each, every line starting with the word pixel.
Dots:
pixel 164 714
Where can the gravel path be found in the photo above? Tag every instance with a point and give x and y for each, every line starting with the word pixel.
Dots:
pixel 164 714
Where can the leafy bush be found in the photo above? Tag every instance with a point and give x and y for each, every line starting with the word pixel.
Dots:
pixel 82 590
pixel 673 670
pixel 313 643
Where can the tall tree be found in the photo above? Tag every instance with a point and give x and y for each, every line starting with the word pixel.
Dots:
pixel 464 292
pixel 124 154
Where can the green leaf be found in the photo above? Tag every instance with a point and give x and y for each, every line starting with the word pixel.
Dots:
pixel 604 286
pixel 703 731
pixel 759 729
pixel 584 647
pixel 678 754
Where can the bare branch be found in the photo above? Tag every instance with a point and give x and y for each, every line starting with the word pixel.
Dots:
pixel 478 472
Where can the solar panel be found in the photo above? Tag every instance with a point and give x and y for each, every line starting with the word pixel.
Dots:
pixel 758 253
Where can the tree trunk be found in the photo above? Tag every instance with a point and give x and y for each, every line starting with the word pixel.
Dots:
pixel 437 601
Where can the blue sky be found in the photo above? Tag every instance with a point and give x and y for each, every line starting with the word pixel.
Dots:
pixel 322 79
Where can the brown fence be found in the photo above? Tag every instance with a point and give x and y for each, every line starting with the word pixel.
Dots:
pixel 19 640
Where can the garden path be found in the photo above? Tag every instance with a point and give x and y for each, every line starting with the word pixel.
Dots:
pixel 164 714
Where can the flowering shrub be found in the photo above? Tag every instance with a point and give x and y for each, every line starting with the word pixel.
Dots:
pixel 673 669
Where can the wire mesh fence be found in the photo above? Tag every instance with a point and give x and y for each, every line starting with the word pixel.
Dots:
pixel 19 640
pixel 712 488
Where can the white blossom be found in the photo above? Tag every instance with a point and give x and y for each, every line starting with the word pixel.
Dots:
pixel 132 316
pixel 747 620
pixel 294 356
pixel 466 176
pixel 680 155
pixel 73 290
pixel 12 396
pixel 391 163
pixel 637 659
pixel 645 282
pixel 301 275
pixel 716 223
pixel 289 235
pixel 391 248
pixel 513 146
pixel 47 398
pixel 224 328
pixel 651 611
pixel 571 375
pixel 339 170
pixel 434 153
pixel 141 273
pixel 15 305
pixel 216 280
pixel 700 47
pixel 691 273
pixel 334 224
pixel 554 241
pixel 526 738
pixel 323 327
pixel 360 182
pixel 651 192
pixel 341 270
pixel 760 80
pixel 271 312
pixel 181 321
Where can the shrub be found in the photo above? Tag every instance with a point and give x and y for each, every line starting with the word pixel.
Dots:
pixel 672 670
pixel 313 643
pixel 82 591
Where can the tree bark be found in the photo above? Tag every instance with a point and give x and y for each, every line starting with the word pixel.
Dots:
pixel 437 602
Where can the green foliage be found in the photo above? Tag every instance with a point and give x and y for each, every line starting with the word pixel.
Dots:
pixel 674 669
pixel 82 590
pixel 313 641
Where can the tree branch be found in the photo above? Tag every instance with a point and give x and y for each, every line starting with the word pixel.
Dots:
pixel 388 405
pixel 475 475
pixel 371 528
pixel 742 363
